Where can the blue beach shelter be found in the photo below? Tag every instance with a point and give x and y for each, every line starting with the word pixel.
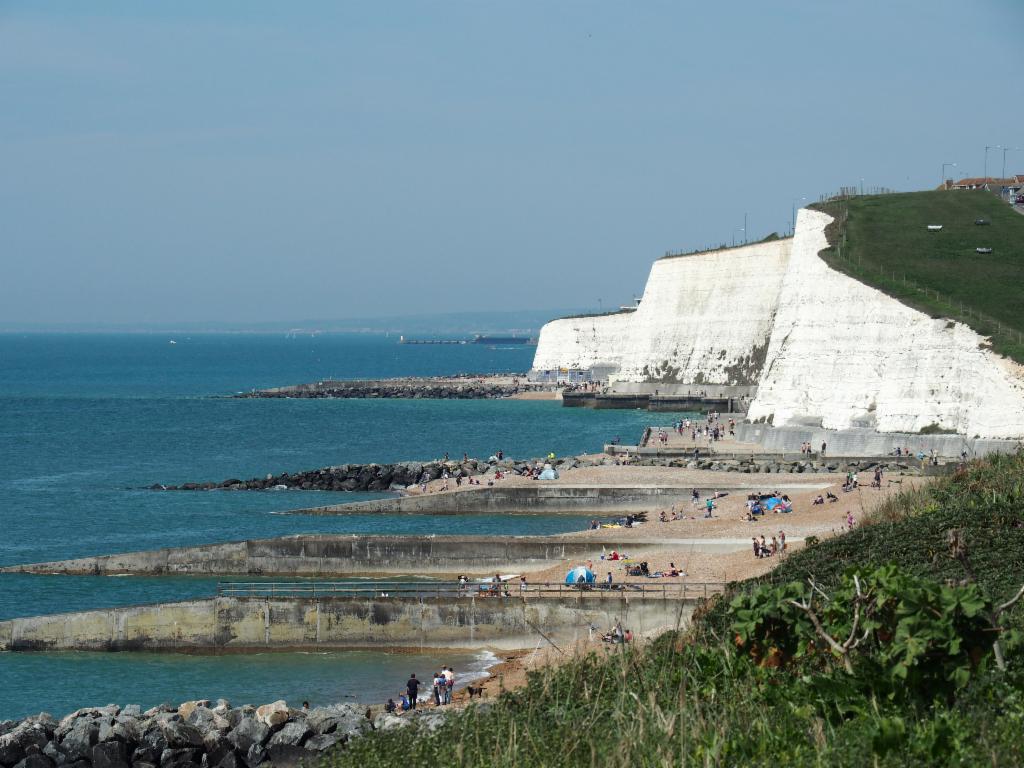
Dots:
pixel 580 575
pixel 772 503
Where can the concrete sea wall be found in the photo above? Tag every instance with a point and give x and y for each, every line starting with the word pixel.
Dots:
pixel 340 555
pixel 863 442
pixel 231 623
pixel 549 499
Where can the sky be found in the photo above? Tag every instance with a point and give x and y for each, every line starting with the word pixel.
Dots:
pixel 253 161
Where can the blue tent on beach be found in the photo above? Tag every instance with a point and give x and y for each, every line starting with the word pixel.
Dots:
pixel 580 575
pixel 772 503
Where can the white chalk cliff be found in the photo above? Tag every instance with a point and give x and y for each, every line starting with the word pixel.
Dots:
pixel 822 348
pixel 704 319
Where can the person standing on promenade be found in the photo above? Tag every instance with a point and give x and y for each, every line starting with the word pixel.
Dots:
pixel 412 687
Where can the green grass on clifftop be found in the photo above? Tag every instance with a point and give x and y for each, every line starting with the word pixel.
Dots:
pixel 887 245
pixel 692 699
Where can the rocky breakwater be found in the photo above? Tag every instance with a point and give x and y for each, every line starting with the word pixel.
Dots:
pixel 381 477
pixel 432 388
pixel 193 735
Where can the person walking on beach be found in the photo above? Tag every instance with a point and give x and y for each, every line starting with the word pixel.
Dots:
pixel 449 684
pixel 438 682
pixel 412 687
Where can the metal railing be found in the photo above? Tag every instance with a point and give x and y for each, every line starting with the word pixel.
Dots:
pixel 660 589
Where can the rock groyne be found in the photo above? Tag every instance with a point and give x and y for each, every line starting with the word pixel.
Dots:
pixel 196 734
pixel 351 477
pixel 413 388
pixel 400 476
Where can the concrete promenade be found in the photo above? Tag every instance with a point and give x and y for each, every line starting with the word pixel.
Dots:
pixel 347 555
pixel 226 624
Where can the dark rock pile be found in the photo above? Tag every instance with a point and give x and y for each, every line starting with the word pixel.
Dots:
pixel 194 735
pixel 410 389
pixel 380 477
pixel 398 477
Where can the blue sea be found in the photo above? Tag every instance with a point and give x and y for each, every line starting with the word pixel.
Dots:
pixel 87 422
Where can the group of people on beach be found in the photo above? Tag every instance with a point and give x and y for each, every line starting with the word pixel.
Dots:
pixel 807 450
pixel 763 549
pixel 618 634
pixel 441 682
pixel 758 504
pixel 711 429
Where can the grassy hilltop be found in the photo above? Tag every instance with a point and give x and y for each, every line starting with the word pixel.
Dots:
pixel 884 241
pixel 752 684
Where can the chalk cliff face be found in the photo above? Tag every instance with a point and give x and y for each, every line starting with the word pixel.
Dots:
pixel 822 348
pixel 843 354
pixel 704 319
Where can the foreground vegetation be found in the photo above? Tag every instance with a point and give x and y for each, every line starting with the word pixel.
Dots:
pixel 884 241
pixel 754 681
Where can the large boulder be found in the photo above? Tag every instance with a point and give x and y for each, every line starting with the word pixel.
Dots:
pixel 345 719
pixel 77 743
pixel 180 758
pixel 247 733
pixel 146 754
pixel 274 714
pixel 34 761
pixel 386 721
pixel 216 746
pixel 123 729
pixel 187 708
pixel 181 735
pixel 53 751
pixel 207 720
pixel 255 756
pixel 230 760
pixel 293 734
pixel 110 754
pixel 14 744
pixel 153 741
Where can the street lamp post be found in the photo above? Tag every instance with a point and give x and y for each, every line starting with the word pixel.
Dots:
pixel 1005 150
pixel 738 229
pixel 944 166
pixel 987 148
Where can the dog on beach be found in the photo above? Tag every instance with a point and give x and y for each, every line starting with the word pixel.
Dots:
pixel 477 690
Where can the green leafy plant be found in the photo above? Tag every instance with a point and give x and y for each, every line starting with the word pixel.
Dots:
pixel 901 635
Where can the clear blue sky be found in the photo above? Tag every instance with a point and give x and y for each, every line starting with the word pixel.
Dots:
pixel 247 161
